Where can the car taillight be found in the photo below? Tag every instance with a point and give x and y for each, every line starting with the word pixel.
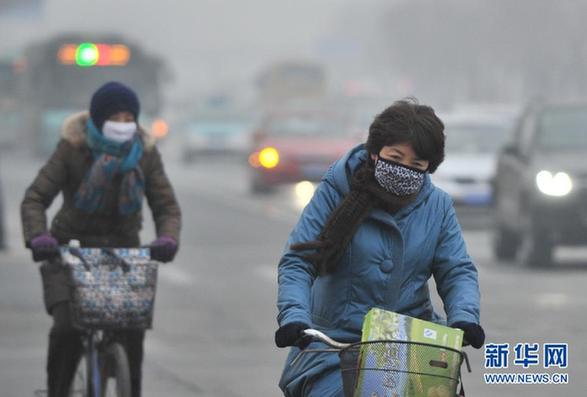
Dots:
pixel 159 128
pixel 254 160
pixel 268 157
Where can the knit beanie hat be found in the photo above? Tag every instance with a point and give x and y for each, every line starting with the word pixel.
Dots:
pixel 111 98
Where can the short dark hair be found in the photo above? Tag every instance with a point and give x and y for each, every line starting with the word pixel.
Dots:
pixel 406 121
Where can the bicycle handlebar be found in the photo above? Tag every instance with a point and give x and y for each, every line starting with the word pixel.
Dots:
pixel 74 249
pixel 322 337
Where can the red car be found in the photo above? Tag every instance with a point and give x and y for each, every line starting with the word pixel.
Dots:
pixel 296 147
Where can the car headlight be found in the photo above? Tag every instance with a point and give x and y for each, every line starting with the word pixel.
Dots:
pixel 557 185
pixel 304 191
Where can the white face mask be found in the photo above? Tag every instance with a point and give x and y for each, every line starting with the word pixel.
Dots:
pixel 119 131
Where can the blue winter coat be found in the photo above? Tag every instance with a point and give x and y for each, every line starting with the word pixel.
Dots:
pixel 387 265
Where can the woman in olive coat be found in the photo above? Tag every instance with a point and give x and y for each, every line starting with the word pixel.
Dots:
pixel 104 165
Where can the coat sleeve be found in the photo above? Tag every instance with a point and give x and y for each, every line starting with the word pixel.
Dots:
pixel 454 272
pixel 295 274
pixel 40 194
pixel 161 199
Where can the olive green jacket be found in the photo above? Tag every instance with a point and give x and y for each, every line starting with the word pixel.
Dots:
pixel 64 173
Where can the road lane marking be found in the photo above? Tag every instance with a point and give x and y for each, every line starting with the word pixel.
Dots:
pixel 553 299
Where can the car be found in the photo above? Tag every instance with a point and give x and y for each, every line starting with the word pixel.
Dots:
pixel 541 184
pixel 297 146
pixel 473 141
pixel 221 130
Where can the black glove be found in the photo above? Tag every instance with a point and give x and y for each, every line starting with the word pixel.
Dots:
pixel 474 334
pixel 292 334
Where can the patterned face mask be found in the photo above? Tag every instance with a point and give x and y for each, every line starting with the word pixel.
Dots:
pixel 398 179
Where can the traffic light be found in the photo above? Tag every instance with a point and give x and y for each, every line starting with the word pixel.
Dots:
pixel 87 54
pixel 94 54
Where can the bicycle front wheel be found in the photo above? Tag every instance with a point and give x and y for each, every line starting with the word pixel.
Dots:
pixel 79 384
pixel 115 372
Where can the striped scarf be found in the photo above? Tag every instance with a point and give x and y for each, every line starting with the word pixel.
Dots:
pixel 96 192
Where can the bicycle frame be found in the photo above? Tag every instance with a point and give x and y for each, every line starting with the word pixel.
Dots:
pixel 93 376
pixel 95 343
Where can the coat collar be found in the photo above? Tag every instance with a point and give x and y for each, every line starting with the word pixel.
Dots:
pixel 74 131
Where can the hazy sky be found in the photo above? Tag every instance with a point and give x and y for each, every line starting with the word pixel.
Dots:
pixel 440 50
pixel 208 42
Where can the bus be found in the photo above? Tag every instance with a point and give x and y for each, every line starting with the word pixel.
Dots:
pixel 61 73
pixel 290 81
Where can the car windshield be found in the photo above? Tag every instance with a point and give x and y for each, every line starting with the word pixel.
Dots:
pixel 563 129
pixel 475 137
pixel 300 126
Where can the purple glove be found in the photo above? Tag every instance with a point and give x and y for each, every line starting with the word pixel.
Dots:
pixel 44 247
pixel 163 249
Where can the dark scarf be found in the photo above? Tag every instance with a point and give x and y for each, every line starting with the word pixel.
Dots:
pixel 365 194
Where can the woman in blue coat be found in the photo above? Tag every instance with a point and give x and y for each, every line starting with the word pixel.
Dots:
pixel 373 234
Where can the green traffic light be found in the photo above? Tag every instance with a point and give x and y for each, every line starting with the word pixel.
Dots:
pixel 86 55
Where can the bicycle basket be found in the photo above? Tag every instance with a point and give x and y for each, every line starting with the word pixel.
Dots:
pixel 111 289
pixel 400 369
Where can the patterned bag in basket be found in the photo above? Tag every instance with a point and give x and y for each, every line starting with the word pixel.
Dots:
pixel 111 288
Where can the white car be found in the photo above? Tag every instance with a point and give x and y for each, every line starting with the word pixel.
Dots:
pixel 473 141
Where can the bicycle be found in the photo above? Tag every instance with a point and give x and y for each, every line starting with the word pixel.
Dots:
pixel 112 290
pixel 103 371
pixel 398 368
